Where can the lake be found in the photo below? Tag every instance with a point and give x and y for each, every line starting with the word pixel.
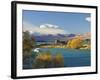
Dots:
pixel 72 57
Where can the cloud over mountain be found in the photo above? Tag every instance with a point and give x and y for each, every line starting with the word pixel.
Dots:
pixel 43 29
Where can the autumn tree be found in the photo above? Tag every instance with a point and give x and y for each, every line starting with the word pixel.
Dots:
pixel 43 60
pixel 58 60
pixel 68 44
pixel 75 43
pixel 47 60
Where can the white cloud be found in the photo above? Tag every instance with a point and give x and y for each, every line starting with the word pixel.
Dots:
pixel 43 29
pixel 48 26
pixel 88 19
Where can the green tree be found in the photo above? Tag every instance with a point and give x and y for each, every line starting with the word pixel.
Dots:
pixel 28 43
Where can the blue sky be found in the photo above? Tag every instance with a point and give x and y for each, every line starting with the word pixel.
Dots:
pixel 69 22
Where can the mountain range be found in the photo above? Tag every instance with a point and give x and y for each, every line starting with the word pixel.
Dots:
pixel 50 37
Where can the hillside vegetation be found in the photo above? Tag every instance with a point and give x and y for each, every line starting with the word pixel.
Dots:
pixel 79 43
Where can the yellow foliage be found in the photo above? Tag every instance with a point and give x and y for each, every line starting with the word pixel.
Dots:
pixel 74 43
pixel 44 57
pixel 58 58
pixel 68 44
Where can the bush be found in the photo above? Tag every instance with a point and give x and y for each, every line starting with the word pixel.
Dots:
pixel 58 60
pixel 46 60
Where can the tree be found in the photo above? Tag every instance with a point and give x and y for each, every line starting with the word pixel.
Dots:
pixel 75 43
pixel 28 42
pixel 68 44
pixel 47 60
pixel 58 60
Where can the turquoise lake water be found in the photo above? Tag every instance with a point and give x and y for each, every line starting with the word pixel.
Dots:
pixel 72 57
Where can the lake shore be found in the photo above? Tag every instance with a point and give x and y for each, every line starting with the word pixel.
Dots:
pixel 63 46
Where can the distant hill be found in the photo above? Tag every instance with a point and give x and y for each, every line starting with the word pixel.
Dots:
pixel 65 37
pixel 50 37
pixel 85 35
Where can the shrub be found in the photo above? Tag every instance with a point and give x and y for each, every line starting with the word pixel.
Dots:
pixel 58 60
pixel 47 60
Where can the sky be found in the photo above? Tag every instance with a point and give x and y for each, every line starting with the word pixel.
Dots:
pixel 45 22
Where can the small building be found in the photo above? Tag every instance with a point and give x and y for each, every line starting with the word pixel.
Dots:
pixel 60 41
